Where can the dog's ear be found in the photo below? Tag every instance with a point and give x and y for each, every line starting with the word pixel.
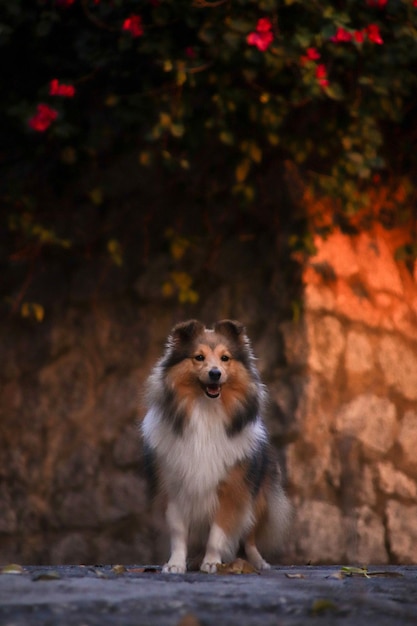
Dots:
pixel 230 329
pixel 186 331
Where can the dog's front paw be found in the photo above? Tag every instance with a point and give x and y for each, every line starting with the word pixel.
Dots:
pixel 209 568
pixel 260 563
pixel 174 568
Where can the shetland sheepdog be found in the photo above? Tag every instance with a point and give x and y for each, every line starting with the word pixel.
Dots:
pixel 206 447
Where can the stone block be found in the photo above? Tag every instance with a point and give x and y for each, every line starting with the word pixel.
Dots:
pixel 337 250
pixel 80 509
pixel 366 492
pixel 318 297
pixel 370 419
pixel 326 343
pixel 402 531
pixel 295 348
pixel 366 538
pixel 308 466
pixel 67 385
pixel 319 532
pixel 127 449
pixel 399 365
pixel 72 549
pixel 393 482
pixel 407 438
pixel 126 494
pixel 358 354
pixel 378 265
pixel 8 518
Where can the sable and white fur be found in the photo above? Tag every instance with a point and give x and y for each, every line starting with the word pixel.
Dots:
pixel 207 449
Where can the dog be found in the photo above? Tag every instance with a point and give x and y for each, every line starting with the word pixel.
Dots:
pixel 206 447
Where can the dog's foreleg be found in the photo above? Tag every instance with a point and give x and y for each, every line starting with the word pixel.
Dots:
pixel 217 545
pixel 232 520
pixel 178 529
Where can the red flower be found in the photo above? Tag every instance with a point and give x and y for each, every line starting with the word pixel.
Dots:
pixel 133 24
pixel 377 3
pixel 264 25
pixel 312 54
pixel 341 35
pixel 65 3
pixel 359 36
pixel 43 118
pixel 414 3
pixel 373 34
pixel 55 89
pixel 262 37
pixel 321 75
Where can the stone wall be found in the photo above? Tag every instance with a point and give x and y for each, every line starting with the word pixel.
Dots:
pixel 343 383
pixel 353 467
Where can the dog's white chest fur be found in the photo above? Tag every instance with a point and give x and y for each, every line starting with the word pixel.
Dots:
pixel 194 462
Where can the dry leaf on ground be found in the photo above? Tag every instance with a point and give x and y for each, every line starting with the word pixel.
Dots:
pixel 12 568
pixel 48 575
pixel 238 566
pixel 119 569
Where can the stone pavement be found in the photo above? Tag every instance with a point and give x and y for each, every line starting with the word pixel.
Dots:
pixel 138 596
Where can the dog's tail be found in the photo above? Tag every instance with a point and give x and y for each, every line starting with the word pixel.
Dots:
pixel 273 534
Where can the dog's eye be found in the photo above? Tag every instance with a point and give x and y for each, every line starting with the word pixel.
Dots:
pixel 224 357
pixel 199 357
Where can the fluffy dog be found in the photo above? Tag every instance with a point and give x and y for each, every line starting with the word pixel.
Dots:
pixel 207 449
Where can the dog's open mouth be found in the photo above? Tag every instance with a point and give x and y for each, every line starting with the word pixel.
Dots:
pixel 212 391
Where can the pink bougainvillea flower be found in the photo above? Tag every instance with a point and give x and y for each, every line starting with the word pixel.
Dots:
pixel 262 37
pixel 341 35
pixel 261 40
pixel 57 89
pixel 321 75
pixel 373 34
pixel 133 24
pixel 414 3
pixel 43 118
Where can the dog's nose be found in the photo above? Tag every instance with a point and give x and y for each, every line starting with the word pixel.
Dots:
pixel 214 374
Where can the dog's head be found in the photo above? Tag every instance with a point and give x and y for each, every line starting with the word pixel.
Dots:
pixel 207 357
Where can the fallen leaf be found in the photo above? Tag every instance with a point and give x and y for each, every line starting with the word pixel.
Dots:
pixel 295 575
pixel 238 566
pixel 355 571
pixel 12 568
pixel 386 574
pixel 118 569
pixel 337 576
pixel 321 605
pixel 50 575
pixel 136 570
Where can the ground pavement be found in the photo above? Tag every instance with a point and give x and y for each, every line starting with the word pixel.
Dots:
pixel 138 596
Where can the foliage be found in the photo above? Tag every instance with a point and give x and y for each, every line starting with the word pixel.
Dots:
pixel 231 84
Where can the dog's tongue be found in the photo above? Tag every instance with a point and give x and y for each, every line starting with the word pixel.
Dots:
pixel 213 390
